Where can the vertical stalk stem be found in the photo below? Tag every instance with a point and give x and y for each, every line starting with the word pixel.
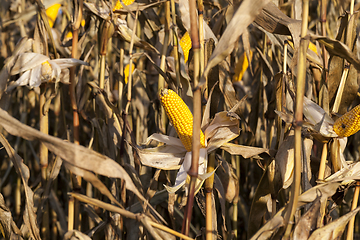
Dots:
pixel 193 171
pixel 350 232
pixel 323 162
pixel 74 205
pixel 209 183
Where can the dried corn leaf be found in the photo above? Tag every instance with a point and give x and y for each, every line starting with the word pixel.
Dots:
pixel 24 173
pixel 335 229
pixel 245 14
pixel 259 206
pixel 76 155
pixel 76 235
pixel 307 222
pixel 244 151
pixel 338 48
pixel 8 227
pixel 275 21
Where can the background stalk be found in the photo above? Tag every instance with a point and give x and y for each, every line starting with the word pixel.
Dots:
pixel 209 183
pixel 74 207
pixel 300 90
pixel 161 80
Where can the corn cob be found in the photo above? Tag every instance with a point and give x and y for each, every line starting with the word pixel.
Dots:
pixel 52 12
pixel 127 72
pixel 180 117
pixel 241 66
pixel 119 6
pixel 185 44
pixel 349 123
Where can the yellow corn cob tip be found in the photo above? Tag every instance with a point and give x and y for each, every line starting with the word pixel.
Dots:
pixel 349 123
pixel 241 66
pixel 52 12
pixel 127 72
pixel 119 6
pixel 186 44
pixel 46 71
pixel 181 117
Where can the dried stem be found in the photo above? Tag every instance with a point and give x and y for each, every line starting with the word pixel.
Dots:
pixel 354 204
pixel 300 89
pixel 323 162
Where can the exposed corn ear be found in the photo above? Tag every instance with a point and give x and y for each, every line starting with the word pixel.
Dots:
pixel 349 123
pixel 119 6
pixel 241 66
pixel 186 44
pixel 127 72
pixel 46 71
pixel 52 12
pixel 180 117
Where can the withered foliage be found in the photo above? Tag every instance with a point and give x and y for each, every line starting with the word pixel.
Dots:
pixel 88 152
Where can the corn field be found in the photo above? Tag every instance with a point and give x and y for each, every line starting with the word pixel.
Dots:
pixel 179 119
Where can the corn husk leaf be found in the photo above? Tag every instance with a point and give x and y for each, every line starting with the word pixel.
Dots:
pixel 223 128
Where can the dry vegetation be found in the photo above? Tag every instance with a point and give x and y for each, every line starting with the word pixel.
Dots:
pixel 88 151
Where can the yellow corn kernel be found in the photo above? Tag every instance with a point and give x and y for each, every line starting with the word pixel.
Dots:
pixel 52 12
pixel 119 6
pixel 349 123
pixel 180 117
pixel 127 71
pixel 241 66
pixel 186 44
